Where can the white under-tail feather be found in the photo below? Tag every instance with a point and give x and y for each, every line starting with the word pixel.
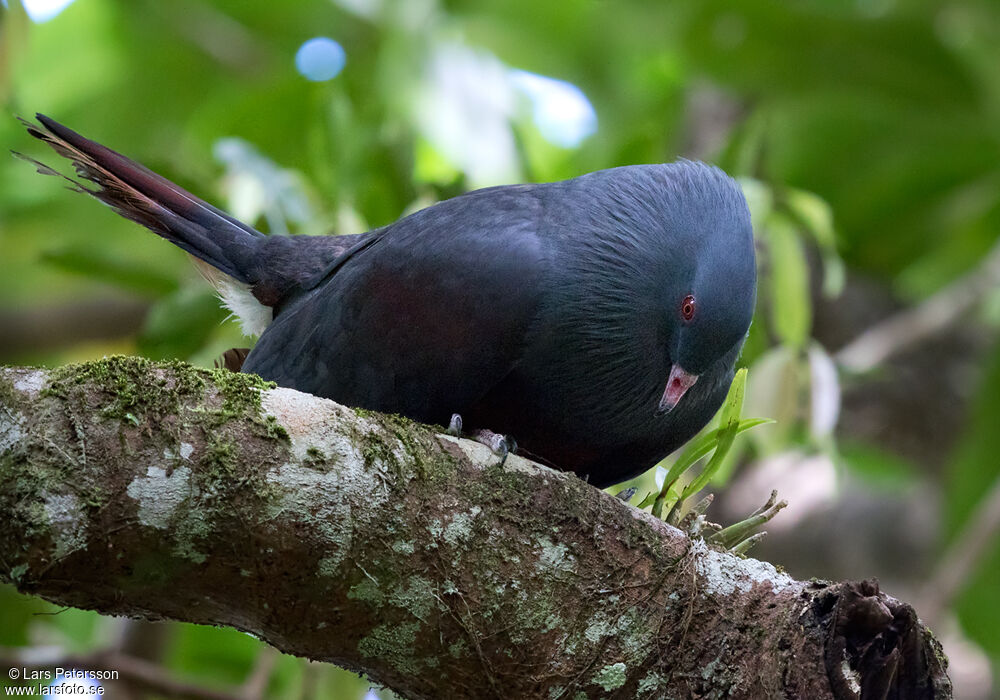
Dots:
pixel 236 296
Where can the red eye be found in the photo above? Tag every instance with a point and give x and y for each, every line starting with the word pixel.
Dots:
pixel 688 308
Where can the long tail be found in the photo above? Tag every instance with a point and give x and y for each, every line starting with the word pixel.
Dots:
pixel 141 195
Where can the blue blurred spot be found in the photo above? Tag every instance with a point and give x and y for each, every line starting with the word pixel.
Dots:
pixel 320 58
pixel 44 10
pixel 67 688
pixel 560 110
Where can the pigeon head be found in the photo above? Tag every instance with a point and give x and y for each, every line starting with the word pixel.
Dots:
pixel 657 288
pixel 709 286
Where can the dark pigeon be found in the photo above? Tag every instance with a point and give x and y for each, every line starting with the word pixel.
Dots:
pixel 596 320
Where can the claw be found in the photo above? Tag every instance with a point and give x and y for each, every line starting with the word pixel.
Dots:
pixel 500 444
pixel 626 494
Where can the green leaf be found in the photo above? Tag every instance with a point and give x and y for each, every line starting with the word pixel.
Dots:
pixel 816 216
pixel 704 445
pixel 729 424
pixel 770 48
pixel 759 196
pixel 791 312
pixel 697 449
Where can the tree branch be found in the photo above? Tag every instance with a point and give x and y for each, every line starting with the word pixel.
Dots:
pixel 28 330
pixel 369 541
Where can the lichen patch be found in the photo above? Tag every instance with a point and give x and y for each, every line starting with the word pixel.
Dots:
pixel 310 423
pixel 851 676
pixel 723 573
pixel 29 381
pixel 554 557
pixel 460 528
pixel 160 495
pixel 317 501
pixel 11 428
pixel 66 522
pixel 611 677
pixel 184 451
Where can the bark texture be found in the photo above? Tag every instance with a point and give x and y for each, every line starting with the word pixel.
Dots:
pixel 158 490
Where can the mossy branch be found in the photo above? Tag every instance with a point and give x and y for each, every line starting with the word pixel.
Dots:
pixel 163 491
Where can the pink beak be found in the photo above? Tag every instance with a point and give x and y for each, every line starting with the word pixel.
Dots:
pixel 678 383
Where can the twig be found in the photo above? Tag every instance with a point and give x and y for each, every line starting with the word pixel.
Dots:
pixel 966 550
pixel 931 316
pixel 54 327
pixel 255 685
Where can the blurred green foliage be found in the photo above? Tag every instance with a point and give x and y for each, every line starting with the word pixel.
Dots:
pixel 864 131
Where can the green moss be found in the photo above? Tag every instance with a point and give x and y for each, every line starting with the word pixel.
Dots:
pixel 220 473
pixel 32 467
pixel 241 400
pixel 139 393
pixel 374 451
pixel 240 392
pixel 134 388
pixel 219 458
pixel 315 458
pixel 33 517
pixel 275 430
pixel 94 497
pixel 506 489
pixel 411 437
pixel 9 396
pixel 400 444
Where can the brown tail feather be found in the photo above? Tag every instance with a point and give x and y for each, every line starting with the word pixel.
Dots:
pixel 274 268
pixel 141 195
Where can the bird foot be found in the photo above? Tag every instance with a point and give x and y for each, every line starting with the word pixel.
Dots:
pixel 502 445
